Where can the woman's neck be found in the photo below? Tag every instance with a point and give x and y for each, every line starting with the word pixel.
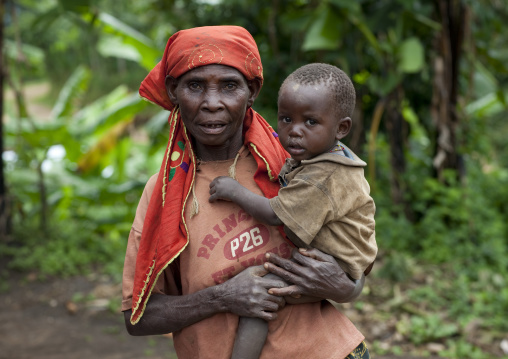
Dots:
pixel 218 153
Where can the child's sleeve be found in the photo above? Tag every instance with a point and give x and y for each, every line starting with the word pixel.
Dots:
pixel 303 208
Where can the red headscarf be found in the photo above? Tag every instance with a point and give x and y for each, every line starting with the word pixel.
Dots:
pixel 165 233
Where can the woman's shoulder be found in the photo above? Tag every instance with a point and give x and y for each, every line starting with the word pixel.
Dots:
pixel 147 192
pixel 150 184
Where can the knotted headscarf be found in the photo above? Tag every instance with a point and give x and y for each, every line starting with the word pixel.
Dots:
pixel 165 233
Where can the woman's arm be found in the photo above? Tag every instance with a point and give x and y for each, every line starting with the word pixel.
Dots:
pixel 313 274
pixel 246 295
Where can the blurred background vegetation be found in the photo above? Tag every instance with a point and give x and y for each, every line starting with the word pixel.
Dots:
pixel 432 92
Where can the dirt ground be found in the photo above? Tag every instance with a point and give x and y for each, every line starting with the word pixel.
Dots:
pixel 69 319
pixel 74 318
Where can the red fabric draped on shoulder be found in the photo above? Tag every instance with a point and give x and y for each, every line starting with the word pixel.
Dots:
pixel 165 233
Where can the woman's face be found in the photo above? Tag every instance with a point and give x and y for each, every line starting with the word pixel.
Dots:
pixel 213 100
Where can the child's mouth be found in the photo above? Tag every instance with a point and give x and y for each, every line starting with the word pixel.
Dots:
pixel 295 149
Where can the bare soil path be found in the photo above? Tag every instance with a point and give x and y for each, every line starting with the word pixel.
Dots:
pixel 69 319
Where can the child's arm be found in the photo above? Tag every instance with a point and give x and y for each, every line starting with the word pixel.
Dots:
pixel 226 188
pixel 257 206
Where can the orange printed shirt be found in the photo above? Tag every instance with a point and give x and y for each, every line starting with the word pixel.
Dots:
pixel 224 240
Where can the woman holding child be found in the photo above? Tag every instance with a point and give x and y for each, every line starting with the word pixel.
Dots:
pixel 193 267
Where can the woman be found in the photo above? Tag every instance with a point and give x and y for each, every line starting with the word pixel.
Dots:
pixel 193 267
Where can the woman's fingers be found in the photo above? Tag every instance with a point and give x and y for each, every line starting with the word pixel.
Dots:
pixel 287 270
pixel 311 273
pixel 247 294
pixel 312 253
pixel 292 290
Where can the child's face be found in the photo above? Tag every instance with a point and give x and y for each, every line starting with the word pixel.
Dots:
pixel 307 123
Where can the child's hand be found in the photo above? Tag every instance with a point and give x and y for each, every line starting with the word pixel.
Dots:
pixel 222 187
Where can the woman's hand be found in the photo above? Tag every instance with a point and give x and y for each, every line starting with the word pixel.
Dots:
pixel 313 274
pixel 246 294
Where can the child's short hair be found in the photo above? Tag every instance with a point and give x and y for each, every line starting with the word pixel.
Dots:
pixel 333 78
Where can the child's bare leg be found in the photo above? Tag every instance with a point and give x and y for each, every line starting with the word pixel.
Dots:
pixel 250 338
pixel 251 335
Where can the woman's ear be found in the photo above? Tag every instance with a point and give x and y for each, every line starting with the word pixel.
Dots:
pixel 171 85
pixel 343 127
pixel 254 88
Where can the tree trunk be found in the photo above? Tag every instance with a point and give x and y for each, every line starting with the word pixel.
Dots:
pixel 356 138
pixel 4 203
pixel 396 128
pixel 445 86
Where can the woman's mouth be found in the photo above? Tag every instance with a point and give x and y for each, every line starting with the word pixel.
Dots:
pixel 212 128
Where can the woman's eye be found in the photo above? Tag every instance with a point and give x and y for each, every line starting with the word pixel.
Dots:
pixel 230 86
pixel 194 86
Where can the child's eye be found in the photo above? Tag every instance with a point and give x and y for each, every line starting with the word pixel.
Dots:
pixel 285 119
pixel 311 122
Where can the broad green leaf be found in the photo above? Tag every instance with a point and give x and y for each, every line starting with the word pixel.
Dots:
pixel 103 146
pixel 78 6
pixel 295 21
pixel 351 6
pixel 411 55
pixel 429 22
pixel 418 132
pixel 499 54
pixel 75 85
pixel 45 135
pixel 150 54
pixel 88 116
pixel 122 155
pixel 33 54
pixel 383 85
pixel 364 29
pixel 157 122
pixel 45 20
pixel 128 106
pixel 323 33
pixel 110 46
pixel 123 28
pixel 488 105
pixel 484 80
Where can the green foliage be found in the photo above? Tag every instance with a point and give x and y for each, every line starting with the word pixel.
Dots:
pixel 426 329
pixel 457 349
pixel 69 248
pixel 456 223
pixel 74 181
pixel 101 143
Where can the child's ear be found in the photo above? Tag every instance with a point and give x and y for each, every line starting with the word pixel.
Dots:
pixel 343 128
pixel 171 85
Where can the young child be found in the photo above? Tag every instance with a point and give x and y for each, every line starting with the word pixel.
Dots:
pixel 324 199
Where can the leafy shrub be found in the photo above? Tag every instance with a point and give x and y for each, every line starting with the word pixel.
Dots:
pixel 68 248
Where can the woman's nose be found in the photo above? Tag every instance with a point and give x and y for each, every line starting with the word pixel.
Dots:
pixel 212 100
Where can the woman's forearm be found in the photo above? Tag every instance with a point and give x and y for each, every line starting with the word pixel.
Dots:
pixel 166 314
pixel 357 290
pixel 246 294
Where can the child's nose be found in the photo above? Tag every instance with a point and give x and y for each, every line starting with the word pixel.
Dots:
pixel 295 131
